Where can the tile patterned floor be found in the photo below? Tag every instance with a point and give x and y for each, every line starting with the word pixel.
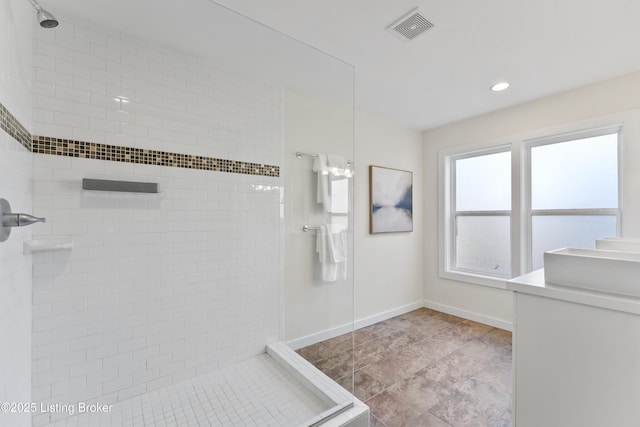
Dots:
pixel 255 393
pixel 424 368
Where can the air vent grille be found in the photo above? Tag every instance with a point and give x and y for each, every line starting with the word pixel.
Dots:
pixel 410 26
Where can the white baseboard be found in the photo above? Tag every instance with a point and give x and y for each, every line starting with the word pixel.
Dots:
pixel 470 315
pixel 307 340
pixel 361 323
pixel 358 324
pixel 368 321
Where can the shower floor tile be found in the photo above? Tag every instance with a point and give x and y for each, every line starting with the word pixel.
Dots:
pixel 424 368
pixel 255 393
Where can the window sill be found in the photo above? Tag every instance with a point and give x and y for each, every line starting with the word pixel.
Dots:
pixel 476 279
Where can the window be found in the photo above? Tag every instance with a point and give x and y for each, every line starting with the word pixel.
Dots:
pixel 564 192
pixel 481 213
pixel 573 192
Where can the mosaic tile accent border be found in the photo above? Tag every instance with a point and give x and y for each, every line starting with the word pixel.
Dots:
pixel 14 128
pixel 92 150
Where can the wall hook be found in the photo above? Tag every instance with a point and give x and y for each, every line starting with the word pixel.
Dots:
pixel 9 220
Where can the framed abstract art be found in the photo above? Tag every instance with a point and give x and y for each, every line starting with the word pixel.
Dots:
pixel 391 200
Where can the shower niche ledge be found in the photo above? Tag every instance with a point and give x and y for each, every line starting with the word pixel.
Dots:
pixel 35 246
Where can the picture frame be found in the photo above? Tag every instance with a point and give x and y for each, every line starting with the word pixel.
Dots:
pixel 390 200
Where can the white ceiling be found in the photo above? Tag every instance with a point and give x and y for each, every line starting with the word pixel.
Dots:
pixel 541 47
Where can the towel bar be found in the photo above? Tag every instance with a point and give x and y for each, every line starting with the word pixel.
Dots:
pixel 300 154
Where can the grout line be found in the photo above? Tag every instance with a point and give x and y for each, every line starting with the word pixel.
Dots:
pixel 90 150
pixel 465 323
pixel 378 420
pixel 14 128
pixel 435 416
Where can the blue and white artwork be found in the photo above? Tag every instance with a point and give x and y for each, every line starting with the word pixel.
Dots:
pixel 391 194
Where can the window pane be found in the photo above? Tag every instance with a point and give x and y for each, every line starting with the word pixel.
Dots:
pixel 578 174
pixel 483 244
pixel 577 231
pixel 483 183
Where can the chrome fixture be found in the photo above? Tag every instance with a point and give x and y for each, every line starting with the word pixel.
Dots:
pixel 307 228
pixel 10 220
pixel 45 18
pixel 300 155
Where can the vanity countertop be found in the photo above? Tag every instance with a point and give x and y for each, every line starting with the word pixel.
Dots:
pixel 534 284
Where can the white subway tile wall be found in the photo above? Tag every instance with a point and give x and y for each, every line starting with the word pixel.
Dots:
pixel 15 284
pixel 111 88
pixel 16 18
pixel 158 288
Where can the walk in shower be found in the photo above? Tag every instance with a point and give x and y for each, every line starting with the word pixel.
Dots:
pixel 181 304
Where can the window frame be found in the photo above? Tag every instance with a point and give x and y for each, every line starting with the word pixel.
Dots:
pixel 528 212
pixel 521 212
pixel 447 222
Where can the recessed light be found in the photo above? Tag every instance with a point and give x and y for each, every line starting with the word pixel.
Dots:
pixel 499 86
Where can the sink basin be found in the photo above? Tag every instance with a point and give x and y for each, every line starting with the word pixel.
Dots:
pixel 613 272
pixel 616 244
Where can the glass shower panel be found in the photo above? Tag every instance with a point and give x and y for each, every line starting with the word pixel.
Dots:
pixel 212 280
pixel 340 196
pixel 319 291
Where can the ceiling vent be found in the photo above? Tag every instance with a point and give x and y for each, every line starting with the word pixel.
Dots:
pixel 410 25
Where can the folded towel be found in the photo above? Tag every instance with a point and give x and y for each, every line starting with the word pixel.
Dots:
pixel 331 245
pixel 329 168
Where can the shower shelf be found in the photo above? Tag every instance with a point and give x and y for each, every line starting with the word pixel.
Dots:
pixel 34 246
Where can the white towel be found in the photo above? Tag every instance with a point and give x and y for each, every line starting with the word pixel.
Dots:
pixel 329 168
pixel 331 245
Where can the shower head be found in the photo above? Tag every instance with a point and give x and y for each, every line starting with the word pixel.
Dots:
pixel 45 18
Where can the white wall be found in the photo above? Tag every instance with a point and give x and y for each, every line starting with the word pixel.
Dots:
pixel 16 58
pixel 311 305
pixel 15 185
pixel 388 267
pixel 591 104
pixel 158 288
